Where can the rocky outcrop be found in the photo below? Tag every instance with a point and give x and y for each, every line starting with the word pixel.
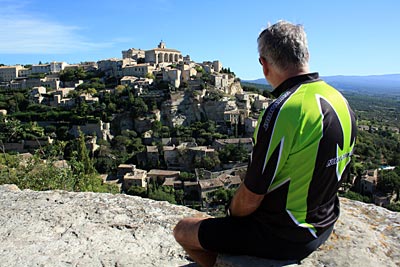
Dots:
pixel 58 228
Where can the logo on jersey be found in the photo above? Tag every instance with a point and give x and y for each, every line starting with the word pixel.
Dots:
pixel 274 106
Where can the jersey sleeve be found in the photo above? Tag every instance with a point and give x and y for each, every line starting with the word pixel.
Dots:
pixel 273 140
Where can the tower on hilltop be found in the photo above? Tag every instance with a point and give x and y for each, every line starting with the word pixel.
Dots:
pixel 161 45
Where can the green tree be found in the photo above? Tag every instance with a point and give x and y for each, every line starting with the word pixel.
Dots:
pixel 179 196
pixel 137 191
pixel 186 176
pixel 83 155
pixel 389 182
pixel 233 153
pixel 163 194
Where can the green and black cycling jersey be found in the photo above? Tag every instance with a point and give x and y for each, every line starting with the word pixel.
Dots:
pixel 302 148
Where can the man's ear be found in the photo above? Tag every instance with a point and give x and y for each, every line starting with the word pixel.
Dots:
pixel 265 66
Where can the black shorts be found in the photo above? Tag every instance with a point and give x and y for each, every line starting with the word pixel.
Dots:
pixel 247 236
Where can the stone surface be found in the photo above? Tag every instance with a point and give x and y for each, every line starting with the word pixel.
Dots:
pixel 57 228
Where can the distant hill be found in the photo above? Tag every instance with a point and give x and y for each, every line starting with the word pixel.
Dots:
pixel 388 84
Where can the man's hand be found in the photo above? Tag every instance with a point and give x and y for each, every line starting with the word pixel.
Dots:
pixel 244 202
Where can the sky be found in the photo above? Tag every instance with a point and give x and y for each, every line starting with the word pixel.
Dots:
pixel 346 37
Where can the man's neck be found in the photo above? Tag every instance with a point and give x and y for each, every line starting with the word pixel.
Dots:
pixel 279 77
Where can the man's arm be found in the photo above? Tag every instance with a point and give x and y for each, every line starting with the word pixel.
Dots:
pixel 244 202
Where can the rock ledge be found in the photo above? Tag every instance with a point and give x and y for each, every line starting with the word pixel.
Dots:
pixel 58 228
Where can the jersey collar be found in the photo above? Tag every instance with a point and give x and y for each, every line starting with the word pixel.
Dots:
pixel 289 83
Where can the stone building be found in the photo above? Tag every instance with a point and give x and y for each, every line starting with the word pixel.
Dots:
pixel 161 54
pixel 221 80
pixel 36 94
pixel 187 71
pixel 41 68
pixel 124 169
pixel 173 76
pixel 160 176
pixel 246 143
pixel 136 177
pixel 133 53
pixel 261 102
pixel 24 72
pixel 139 70
pixel 111 67
pixel 368 182
pixel 56 67
pixel 152 155
pixel 250 125
pixel 8 73
pixel 100 129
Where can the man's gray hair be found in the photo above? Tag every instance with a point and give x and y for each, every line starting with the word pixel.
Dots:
pixel 284 45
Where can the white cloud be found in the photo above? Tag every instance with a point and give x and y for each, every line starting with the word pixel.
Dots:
pixel 23 33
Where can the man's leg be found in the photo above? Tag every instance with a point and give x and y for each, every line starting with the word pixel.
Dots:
pixel 186 234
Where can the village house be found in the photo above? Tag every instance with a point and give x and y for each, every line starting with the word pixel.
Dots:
pixel 192 191
pixel 28 145
pixel 24 72
pixel 51 82
pixel 36 94
pixel 133 53
pixel 261 102
pixel 160 176
pixel 172 75
pixel 250 125
pixel 88 98
pixel 124 169
pixel 174 183
pixel 209 185
pixel 112 67
pixel 138 70
pixel 221 80
pixel 128 80
pixel 184 156
pixel 87 66
pixel 243 101
pixel 171 157
pixel 56 67
pixel 100 129
pixel 9 73
pixel 41 68
pixel 368 182
pixel 187 71
pixel 363 127
pixel 63 92
pixel 246 143
pixel 152 155
pixel 232 116
pixel 136 177
pixel 225 180
pixel 211 67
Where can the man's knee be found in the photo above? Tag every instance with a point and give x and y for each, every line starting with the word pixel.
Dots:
pixel 186 231
pixel 179 231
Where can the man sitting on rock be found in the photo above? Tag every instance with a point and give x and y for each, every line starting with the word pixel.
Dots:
pixel 287 204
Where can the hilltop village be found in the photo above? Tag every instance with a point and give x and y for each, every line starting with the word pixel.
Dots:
pixel 153 123
pixel 152 116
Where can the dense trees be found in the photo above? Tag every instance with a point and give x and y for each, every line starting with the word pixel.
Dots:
pixel 38 174
pixel 233 153
pixel 389 182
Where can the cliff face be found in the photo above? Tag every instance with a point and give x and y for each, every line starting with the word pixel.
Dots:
pixel 58 228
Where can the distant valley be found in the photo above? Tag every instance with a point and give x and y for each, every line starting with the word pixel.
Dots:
pixel 374 84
